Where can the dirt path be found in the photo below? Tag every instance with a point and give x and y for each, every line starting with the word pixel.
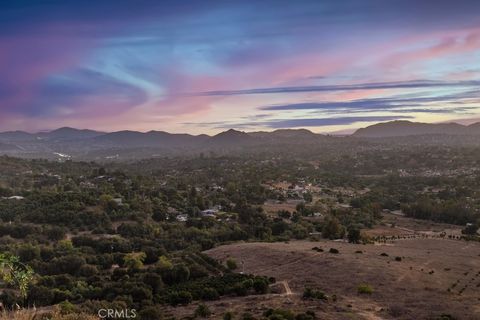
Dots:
pixel 288 291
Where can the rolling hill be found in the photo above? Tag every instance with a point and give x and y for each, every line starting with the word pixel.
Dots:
pixel 408 128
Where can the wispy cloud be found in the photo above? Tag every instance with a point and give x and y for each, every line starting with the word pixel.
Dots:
pixel 451 103
pixel 416 84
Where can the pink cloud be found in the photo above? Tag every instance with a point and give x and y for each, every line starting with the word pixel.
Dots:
pixel 447 44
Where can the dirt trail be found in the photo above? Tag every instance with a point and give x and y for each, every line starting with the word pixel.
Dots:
pixel 288 291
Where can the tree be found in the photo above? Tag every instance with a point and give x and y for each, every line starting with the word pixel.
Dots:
pixel 134 260
pixel 260 285
pixel 16 273
pixel 354 234
pixel 164 263
pixel 332 229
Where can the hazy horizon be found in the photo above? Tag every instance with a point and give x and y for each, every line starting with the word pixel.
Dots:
pixel 206 67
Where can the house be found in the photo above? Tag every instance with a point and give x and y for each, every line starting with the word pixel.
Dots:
pixel 118 201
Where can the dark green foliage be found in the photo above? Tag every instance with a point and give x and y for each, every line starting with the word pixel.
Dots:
pixel 310 293
pixel 354 234
pixel 365 289
pixel 202 311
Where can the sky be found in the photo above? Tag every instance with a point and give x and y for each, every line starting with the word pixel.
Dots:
pixel 206 66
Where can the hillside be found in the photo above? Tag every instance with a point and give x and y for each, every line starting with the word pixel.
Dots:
pixel 408 128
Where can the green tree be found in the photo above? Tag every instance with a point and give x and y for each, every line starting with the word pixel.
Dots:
pixel 134 260
pixel 15 273
pixel 354 235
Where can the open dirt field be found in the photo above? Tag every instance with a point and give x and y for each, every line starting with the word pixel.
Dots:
pixel 434 277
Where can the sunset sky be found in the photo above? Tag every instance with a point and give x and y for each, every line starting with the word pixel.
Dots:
pixel 203 66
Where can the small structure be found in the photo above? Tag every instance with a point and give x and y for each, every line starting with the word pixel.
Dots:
pixel 182 218
pixel 209 213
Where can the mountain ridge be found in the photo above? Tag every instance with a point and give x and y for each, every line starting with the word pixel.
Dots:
pixel 87 144
pixel 402 128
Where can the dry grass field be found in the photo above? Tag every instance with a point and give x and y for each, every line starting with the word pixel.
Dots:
pixel 434 277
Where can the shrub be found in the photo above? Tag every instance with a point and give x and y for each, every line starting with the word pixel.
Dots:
pixel 150 313
pixel 365 289
pixel 202 311
pixel 310 293
pixel 240 290
pixel 228 316
pixel 309 315
pixel 260 285
pixel 333 250
pixel 247 316
pixel 383 254
pixel 66 307
pixel 398 258
pixel 179 297
pixel 231 264
pixel 210 294
pixel 279 314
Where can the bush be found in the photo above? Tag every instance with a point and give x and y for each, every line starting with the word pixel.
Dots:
pixel 398 258
pixel 247 316
pixel 228 316
pixel 210 294
pixel 150 313
pixel 66 307
pixel 202 311
pixel 365 289
pixel 383 254
pixel 240 290
pixel 279 314
pixel 309 315
pixel 260 285
pixel 334 251
pixel 179 297
pixel 310 293
pixel 231 264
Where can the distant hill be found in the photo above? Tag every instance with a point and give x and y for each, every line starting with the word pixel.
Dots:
pixel 285 133
pixel 71 143
pixel 408 128
pixel 148 139
pixel 13 136
pixel 230 138
pixel 58 134
pixel 67 133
